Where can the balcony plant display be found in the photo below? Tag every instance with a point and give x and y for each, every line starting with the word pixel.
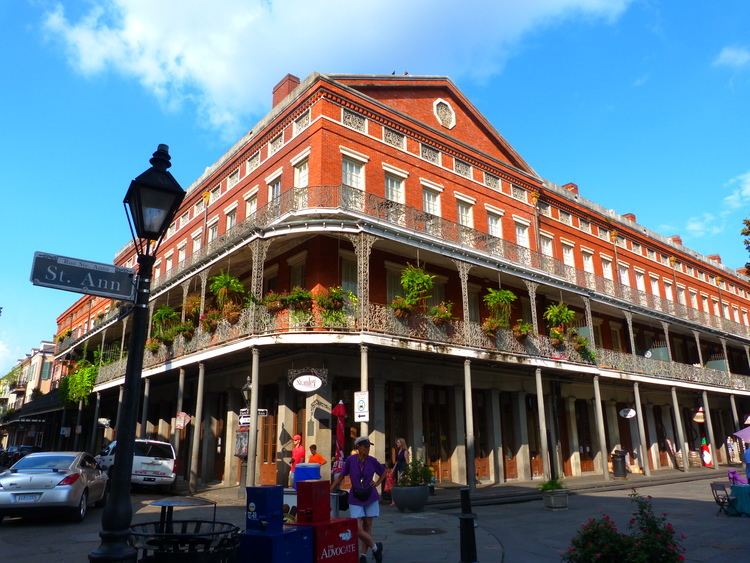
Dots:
pixel 333 303
pixel 498 302
pixel 556 337
pixel 152 345
pixel 299 301
pixel 558 317
pixel 225 288
pixel 163 320
pixel 442 313
pixel 231 312
pixel 413 487
pixel 210 320
pixel 64 334
pixel 416 284
pixel 555 495
pixel 274 302
pixel 192 307
pixel 521 329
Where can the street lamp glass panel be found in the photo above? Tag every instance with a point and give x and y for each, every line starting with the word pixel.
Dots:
pixel 246 390
pixel 155 205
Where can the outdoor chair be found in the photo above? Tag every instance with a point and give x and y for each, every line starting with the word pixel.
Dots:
pixel 735 478
pixel 725 502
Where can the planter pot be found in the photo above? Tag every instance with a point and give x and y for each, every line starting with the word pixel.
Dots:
pixel 556 499
pixel 411 498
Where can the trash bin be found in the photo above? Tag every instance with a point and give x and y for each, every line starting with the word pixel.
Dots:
pixel 194 541
pixel 618 464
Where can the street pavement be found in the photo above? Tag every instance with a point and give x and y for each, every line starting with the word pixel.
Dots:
pixel 519 532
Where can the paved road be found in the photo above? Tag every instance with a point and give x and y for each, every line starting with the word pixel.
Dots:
pixel 526 531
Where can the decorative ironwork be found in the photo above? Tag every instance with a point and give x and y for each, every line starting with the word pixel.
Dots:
pixel 430 154
pixel 631 336
pixel 463 275
pixel 275 144
pixel 531 288
pixel 491 181
pixel 294 373
pixel 302 122
pixel 362 243
pixel 462 168
pixel 697 337
pixel 589 322
pixel 394 138
pixel 518 192
pixel 665 327
pixel 445 115
pixel 253 162
pixel 354 120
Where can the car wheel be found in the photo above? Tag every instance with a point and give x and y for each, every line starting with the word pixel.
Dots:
pixel 79 513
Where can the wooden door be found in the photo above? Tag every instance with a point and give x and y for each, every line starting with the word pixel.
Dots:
pixel 268 399
pixel 396 413
pixel 535 440
pixel 510 445
pixel 583 426
pixel 482 420
pixel 436 424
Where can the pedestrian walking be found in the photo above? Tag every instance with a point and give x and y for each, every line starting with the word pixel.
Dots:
pixel 364 501
pixel 402 457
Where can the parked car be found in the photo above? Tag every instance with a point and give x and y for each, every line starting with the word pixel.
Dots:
pixel 153 462
pixel 15 453
pixel 46 481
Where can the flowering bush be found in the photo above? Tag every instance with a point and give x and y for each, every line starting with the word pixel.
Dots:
pixel 652 538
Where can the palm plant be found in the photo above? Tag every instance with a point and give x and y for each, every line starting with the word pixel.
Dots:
pixel 225 288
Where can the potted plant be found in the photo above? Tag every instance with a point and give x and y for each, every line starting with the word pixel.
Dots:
pixel 555 495
pixel 412 489
pixel 210 320
pixel 164 318
pixel 416 284
pixel 522 329
pixel 498 302
pixel 491 325
pixel 192 306
pixel 274 302
pixel 152 345
pixel 332 303
pixel 226 287
pixel 231 312
pixel 402 308
pixel 441 313
pixel 556 337
pixel 559 316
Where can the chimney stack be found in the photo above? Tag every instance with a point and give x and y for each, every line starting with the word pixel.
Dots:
pixel 714 258
pixel 284 88
pixel 571 187
pixel 677 239
pixel 630 217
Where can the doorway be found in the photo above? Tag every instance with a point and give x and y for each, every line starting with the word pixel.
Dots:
pixel 436 423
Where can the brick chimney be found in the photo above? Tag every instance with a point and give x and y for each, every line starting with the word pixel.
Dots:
pixel 714 258
pixel 571 187
pixel 630 217
pixel 284 88
pixel 742 271
pixel 677 239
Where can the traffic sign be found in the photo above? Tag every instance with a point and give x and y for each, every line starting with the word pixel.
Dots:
pixel 82 276
pixel 361 406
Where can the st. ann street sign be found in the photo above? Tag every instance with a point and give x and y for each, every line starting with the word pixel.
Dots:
pixel 82 276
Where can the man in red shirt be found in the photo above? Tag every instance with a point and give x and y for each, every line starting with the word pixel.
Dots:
pixel 298 456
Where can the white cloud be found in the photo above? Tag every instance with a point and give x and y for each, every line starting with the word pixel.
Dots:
pixel 735 57
pixel 7 359
pixel 226 55
pixel 707 224
pixel 740 195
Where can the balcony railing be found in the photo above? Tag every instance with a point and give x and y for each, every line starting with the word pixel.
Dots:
pixel 420 328
pixel 324 199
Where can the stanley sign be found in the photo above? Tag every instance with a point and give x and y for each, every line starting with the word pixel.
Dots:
pixel 82 276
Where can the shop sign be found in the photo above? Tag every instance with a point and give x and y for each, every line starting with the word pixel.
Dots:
pixel 627 412
pixel 307 383
pixel 361 406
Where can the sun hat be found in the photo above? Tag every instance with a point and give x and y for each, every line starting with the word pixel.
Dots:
pixel 362 440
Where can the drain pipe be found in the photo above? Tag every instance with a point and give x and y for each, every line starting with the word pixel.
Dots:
pixel 466 518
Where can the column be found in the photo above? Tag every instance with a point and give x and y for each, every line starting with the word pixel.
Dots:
pixel 197 419
pixel 203 275
pixel 556 466
pixel 230 461
pixel 252 441
pixel 589 322
pixel 724 348
pixel 377 432
pixel 680 431
pixel 471 474
pixel 463 275
pixel 417 430
pixel 180 393
pixel 710 429
pixel 735 418
pixel 185 288
pixel 531 288
pixel 458 432
pixel 697 336
pixel 363 385
pixel 522 456
pixel 144 412
pixel 665 327
pixel 600 428
pixel 362 243
pixel 631 335
pixel 95 424
pixel 119 410
pixel 496 439
pixel 542 422
pixel 259 249
pixel 641 431
pixel 575 453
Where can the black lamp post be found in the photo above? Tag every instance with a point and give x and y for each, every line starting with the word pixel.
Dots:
pixel 246 390
pixel 150 204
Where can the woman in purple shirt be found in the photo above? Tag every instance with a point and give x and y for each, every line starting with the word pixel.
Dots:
pixel 363 496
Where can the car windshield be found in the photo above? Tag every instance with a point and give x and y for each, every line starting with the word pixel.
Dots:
pixel 152 449
pixel 45 462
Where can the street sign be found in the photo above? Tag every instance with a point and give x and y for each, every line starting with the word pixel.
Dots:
pixel 361 406
pixel 262 412
pixel 82 276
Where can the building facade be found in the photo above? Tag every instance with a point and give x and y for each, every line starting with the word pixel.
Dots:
pixel 347 182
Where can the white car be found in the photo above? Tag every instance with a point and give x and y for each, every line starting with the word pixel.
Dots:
pixel 41 483
pixel 153 462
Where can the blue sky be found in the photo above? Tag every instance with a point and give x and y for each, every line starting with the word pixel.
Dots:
pixel 642 103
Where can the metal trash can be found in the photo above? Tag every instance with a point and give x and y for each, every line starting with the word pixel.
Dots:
pixel 194 541
pixel 619 469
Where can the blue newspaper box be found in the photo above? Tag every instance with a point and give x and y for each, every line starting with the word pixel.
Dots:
pixel 294 544
pixel 264 509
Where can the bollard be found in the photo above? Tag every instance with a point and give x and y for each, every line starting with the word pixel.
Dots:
pixel 466 518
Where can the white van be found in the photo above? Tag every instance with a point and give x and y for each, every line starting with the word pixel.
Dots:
pixel 153 462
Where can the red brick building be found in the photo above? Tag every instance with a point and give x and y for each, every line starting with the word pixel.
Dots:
pixel 344 183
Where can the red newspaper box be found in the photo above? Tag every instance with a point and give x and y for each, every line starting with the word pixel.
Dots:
pixel 313 502
pixel 335 541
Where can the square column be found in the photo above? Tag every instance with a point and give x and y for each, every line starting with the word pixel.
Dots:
pixel 575 454
pixel 522 438
pixel 599 415
pixel 641 431
pixel 458 458
pixel 497 471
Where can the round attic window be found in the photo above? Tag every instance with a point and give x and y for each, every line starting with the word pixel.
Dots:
pixel 444 113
